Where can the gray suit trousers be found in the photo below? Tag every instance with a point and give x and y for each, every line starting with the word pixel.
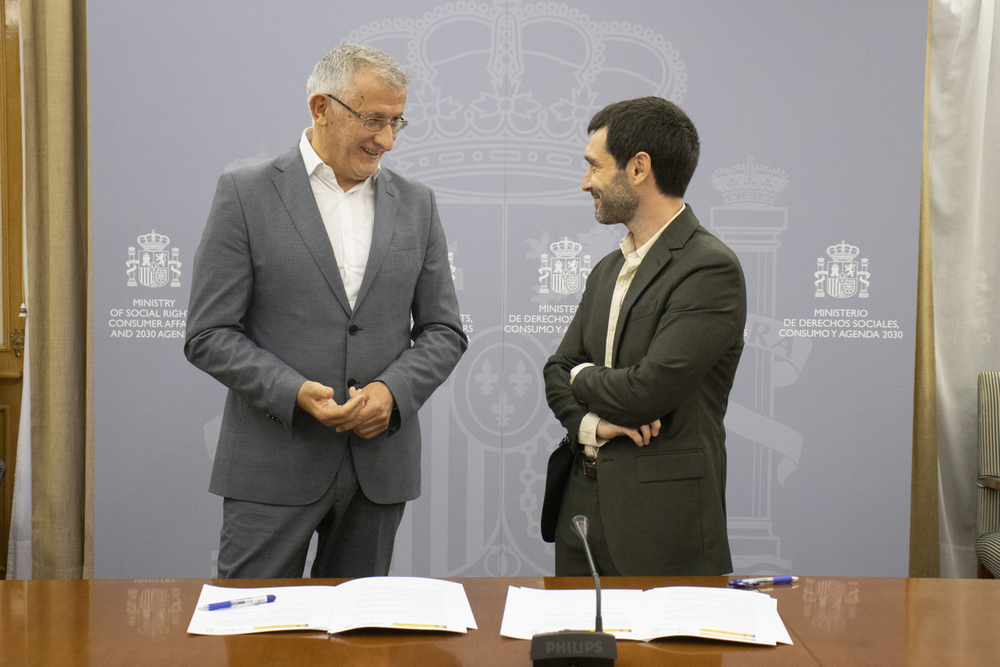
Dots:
pixel 355 535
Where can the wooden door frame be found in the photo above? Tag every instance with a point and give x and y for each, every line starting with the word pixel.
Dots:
pixel 11 270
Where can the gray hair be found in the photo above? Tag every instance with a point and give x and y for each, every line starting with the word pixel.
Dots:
pixel 334 72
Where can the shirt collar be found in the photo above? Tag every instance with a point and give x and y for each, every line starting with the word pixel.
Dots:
pixel 314 162
pixel 627 244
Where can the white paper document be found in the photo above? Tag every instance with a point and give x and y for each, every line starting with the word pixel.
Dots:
pixel 530 611
pixel 406 603
pixel 712 613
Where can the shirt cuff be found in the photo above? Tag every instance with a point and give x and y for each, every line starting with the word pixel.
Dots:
pixel 575 371
pixel 588 431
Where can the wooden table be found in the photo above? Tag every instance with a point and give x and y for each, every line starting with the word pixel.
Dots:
pixel 832 620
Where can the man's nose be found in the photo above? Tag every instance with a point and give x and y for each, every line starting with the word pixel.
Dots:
pixel 384 138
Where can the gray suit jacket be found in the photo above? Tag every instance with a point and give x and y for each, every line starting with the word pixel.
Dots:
pixel 268 311
pixel 678 341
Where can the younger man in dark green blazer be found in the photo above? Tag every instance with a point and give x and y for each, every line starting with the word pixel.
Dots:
pixel 642 377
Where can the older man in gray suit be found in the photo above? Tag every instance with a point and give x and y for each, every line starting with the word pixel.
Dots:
pixel 322 276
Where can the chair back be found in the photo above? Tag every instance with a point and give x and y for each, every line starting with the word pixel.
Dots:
pixel 988 500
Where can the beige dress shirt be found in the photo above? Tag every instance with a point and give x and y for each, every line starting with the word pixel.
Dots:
pixel 633 257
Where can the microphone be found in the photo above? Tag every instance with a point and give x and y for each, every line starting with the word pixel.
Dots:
pixel 577 647
pixel 580 525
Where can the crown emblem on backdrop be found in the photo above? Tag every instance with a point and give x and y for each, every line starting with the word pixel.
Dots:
pixel 842 277
pixel 153 242
pixel 508 87
pixel 566 249
pixel 153 266
pixel 843 252
pixel 565 273
pixel 749 185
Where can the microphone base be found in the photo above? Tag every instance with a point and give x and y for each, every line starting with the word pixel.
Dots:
pixel 573 648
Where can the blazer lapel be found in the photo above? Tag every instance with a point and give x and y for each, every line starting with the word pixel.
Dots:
pixel 292 184
pixel 673 238
pixel 386 205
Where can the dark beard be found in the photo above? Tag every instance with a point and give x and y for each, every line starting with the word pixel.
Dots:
pixel 619 202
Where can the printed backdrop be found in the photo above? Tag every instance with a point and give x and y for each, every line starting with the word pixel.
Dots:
pixel 810 116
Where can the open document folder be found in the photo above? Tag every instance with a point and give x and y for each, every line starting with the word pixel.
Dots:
pixel 403 603
pixel 713 613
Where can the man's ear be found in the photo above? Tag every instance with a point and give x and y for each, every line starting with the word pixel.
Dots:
pixel 318 105
pixel 640 169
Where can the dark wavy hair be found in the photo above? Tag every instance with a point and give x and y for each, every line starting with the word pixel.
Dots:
pixel 657 127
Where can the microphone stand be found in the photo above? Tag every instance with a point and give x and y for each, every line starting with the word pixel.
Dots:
pixel 577 648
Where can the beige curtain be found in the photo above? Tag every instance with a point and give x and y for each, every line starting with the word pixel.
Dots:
pixel 57 226
pixel 963 154
pixel 924 560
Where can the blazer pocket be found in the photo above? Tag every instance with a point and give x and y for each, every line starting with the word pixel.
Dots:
pixel 643 311
pixel 670 466
pixel 404 242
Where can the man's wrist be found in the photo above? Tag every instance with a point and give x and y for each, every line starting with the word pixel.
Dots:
pixel 576 370
pixel 587 433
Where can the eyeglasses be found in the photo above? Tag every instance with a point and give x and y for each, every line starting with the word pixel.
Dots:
pixel 374 124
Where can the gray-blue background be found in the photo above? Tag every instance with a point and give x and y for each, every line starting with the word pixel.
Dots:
pixel 825 97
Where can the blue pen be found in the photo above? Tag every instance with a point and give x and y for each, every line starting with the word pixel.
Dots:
pixel 753 582
pixel 260 599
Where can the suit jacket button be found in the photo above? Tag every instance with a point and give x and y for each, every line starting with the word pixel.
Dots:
pixel 353 329
pixel 351 382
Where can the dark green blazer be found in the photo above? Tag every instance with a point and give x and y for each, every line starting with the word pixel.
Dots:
pixel 678 341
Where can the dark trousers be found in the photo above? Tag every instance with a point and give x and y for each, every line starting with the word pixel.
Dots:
pixel 581 497
pixel 355 535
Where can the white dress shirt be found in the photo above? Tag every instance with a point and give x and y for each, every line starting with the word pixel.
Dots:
pixel 349 217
